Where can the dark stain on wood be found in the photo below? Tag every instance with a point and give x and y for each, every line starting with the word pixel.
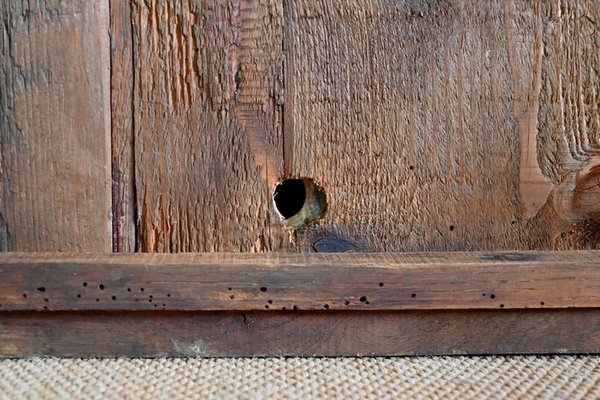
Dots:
pixel 510 256
pixel 334 245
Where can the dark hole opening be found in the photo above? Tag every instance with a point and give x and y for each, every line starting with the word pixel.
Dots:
pixel 299 201
pixel 289 197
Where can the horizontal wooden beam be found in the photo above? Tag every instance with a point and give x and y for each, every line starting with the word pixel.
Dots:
pixel 251 282
pixel 301 333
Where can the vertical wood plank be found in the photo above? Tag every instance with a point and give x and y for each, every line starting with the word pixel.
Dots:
pixel 444 125
pixel 569 129
pixel 208 98
pixel 123 167
pixel 54 126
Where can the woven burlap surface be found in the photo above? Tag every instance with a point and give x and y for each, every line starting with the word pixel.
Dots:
pixel 529 377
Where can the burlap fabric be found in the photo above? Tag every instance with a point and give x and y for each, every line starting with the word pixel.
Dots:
pixel 303 378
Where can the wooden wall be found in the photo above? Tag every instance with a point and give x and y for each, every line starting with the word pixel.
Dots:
pixel 55 126
pixel 430 125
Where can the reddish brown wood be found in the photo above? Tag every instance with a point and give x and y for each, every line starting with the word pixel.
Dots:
pixel 453 125
pixel 208 94
pixel 431 126
pixel 162 334
pixel 393 281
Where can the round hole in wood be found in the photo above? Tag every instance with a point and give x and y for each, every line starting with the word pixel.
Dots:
pixel 299 202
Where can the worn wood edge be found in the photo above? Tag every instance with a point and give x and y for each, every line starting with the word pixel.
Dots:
pixel 122 126
pixel 302 333
pixel 351 281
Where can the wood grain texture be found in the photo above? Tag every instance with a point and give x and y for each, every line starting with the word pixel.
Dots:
pixel 207 97
pixel 121 91
pixel 568 140
pixel 276 334
pixel 209 282
pixel 453 125
pixel 54 126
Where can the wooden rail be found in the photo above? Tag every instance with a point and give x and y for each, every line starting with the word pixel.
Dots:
pixel 299 304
